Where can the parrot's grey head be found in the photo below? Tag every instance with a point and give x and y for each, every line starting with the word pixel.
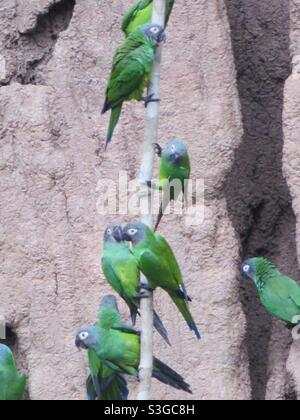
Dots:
pixel 109 301
pixel 86 338
pixel 155 33
pixel 135 232
pixel 112 232
pixel 249 269
pixel 175 152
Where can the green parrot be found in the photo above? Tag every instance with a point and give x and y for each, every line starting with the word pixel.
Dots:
pixel 122 273
pixel 131 71
pixel 158 263
pixel 117 345
pixel 141 14
pixel 279 294
pixel 175 167
pixel 12 383
pixel 104 383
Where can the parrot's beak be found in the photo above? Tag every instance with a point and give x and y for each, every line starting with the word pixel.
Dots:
pixel 162 37
pixel 126 237
pixel 118 234
pixel 176 158
pixel 79 344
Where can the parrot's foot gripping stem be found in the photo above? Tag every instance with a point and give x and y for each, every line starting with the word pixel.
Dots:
pixel 149 99
pixel 157 149
pixel 146 287
pixel 144 291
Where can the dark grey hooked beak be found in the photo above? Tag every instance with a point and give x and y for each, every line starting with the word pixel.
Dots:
pixel 162 37
pixel 125 236
pixel 176 157
pixel 118 234
pixel 79 344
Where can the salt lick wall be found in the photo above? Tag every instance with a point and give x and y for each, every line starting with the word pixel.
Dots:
pixel 223 92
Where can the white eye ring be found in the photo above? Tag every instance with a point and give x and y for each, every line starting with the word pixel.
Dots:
pixel 109 231
pixel 83 336
pixel 132 232
pixel 173 148
pixel 155 30
pixel 246 268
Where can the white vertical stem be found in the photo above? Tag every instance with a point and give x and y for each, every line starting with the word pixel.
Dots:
pixel 146 172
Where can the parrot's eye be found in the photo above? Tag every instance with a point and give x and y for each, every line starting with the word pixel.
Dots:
pixel 246 268
pixel 132 232
pixel 155 30
pixel 109 231
pixel 173 148
pixel 83 336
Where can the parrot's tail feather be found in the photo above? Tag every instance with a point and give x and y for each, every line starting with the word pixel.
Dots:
pixel 182 295
pixel 112 388
pixel 168 376
pixel 106 107
pixel 114 118
pixel 186 296
pixel 133 314
pixel 184 310
pixel 194 328
pixel 159 326
pixel 159 217
pixel 90 390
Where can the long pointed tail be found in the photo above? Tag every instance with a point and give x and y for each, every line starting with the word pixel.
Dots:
pixel 114 118
pixel 169 195
pixel 184 310
pixel 168 376
pixel 159 217
pixel 159 326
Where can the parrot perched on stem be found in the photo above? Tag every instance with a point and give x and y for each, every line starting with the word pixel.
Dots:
pixel 104 383
pixel 158 263
pixel 12 383
pixel 131 71
pixel 279 294
pixel 175 168
pixel 117 345
pixel 141 14
pixel 122 273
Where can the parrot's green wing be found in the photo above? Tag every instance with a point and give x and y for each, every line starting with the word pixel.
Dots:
pixel 104 383
pixel 124 328
pixel 121 271
pixel 141 14
pixel 111 276
pixel 281 297
pixel 132 14
pixel 169 257
pixel 130 74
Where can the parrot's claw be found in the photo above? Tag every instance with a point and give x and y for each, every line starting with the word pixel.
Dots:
pixel 149 99
pixel 144 286
pixel 142 295
pixel 144 291
pixel 157 149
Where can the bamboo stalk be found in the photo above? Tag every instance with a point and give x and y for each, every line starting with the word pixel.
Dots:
pixel 146 172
